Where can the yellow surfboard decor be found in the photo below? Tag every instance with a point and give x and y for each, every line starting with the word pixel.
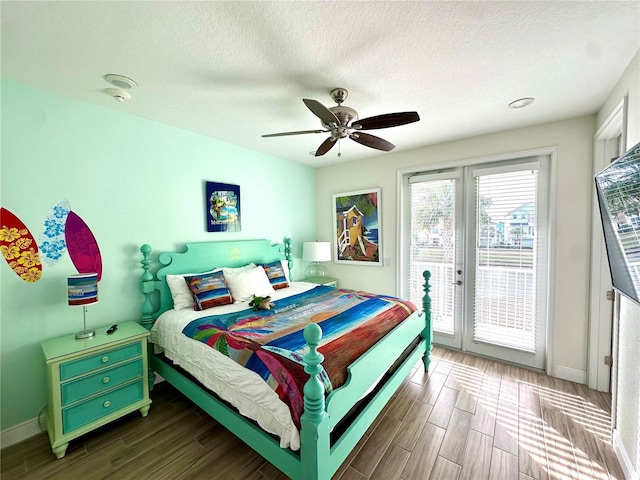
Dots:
pixel 19 248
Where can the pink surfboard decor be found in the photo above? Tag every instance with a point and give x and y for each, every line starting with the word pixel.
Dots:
pixel 19 248
pixel 82 246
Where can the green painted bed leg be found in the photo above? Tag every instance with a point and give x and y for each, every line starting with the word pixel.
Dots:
pixel 314 436
pixel 147 287
pixel 288 257
pixel 427 333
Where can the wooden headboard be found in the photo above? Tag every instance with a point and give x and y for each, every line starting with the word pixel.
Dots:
pixel 201 257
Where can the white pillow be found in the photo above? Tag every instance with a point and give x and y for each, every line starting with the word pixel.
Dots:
pixel 180 293
pixel 285 267
pixel 236 270
pixel 244 285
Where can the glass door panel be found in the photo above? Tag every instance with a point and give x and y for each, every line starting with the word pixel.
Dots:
pixel 435 246
pixel 507 289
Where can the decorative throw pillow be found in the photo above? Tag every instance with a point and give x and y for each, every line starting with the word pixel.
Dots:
pixel 246 284
pixel 208 290
pixel 275 274
pixel 179 289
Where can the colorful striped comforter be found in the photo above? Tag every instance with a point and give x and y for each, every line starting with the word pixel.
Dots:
pixel 271 342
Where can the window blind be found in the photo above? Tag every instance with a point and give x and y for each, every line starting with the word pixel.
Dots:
pixel 505 252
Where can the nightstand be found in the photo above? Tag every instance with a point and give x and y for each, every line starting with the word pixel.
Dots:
pixel 94 381
pixel 327 281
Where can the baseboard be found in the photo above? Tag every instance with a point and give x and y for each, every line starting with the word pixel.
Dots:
pixel 30 428
pixel 625 462
pixel 570 374
pixel 19 432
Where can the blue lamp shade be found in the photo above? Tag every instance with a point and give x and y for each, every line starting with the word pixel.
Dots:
pixel 82 289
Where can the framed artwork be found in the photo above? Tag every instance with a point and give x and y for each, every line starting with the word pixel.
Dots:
pixel 357 220
pixel 222 204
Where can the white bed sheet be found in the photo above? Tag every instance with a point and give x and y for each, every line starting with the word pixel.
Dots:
pixel 242 388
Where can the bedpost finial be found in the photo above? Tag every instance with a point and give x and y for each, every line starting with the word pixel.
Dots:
pixel 146 248
pixel 312 334
pixel 287 255
pixel 427 276
pixel 313 389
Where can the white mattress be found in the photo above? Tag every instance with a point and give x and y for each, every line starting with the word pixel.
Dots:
pixel 242 388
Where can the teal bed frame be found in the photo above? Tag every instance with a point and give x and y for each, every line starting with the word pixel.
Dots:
pixel 319 456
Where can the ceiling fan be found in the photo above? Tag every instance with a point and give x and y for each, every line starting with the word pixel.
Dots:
pixel 343 122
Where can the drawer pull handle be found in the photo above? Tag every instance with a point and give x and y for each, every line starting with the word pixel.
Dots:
pixel 105 359
pixel 107 404
pixel 105 380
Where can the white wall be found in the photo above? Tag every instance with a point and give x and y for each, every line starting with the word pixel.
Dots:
pixel 570 274
pixel 628 388
pixel 627 421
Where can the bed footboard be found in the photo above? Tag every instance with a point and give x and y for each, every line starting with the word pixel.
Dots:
pixel 403 347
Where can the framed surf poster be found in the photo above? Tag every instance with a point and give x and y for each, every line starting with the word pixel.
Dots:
pixel 357 219
pixel 222 204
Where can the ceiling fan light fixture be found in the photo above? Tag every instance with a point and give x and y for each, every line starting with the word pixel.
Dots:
pixel 521 102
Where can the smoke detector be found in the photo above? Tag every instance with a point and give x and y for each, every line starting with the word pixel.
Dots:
pixel 118 95
pixel 121 84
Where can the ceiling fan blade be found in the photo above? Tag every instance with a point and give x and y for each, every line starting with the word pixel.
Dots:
pixel 326 146
pixel 386 120
pixel 372 141
pixel 320 111
pixel 301 132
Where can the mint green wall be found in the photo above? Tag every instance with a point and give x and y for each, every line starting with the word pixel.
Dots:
pixel 132 181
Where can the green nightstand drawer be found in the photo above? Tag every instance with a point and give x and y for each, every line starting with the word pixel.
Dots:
pixel 105 379
pixel 87 412
pixel 103 359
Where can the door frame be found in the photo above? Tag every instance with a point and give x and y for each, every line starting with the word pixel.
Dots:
pixel 601 310
pixel 404 218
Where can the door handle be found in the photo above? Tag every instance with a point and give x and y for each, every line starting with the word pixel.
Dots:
pixel 459 282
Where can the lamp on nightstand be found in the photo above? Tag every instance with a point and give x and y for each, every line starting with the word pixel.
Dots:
pixel 82 291
pixel 316 252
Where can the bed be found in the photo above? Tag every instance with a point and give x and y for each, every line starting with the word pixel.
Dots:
pixel 332 423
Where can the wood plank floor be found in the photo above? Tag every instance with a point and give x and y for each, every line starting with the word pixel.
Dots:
pixel 469 418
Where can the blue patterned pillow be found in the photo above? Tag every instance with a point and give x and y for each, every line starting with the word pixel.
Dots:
pixel 208 290
pixel 276 276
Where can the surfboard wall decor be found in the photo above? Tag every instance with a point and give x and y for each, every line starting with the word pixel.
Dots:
pixel 51 242
pixel 19 248
pixel 82 246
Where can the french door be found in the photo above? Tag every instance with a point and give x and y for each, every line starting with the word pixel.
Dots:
pixel 483 233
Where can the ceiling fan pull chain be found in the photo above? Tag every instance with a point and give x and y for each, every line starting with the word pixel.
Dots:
pixel 339 152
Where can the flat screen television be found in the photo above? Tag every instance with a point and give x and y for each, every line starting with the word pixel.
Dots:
pixel 618 190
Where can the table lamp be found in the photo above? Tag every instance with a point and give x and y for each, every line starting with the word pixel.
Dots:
pixel 316 252
pixel 82 291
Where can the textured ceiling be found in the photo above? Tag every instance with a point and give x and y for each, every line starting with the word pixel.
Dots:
pixel 237 70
